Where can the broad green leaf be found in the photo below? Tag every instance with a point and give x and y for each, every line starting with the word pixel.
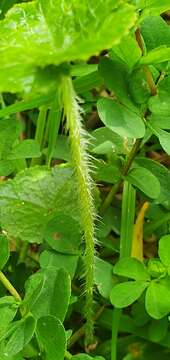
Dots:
pixel 131 268
pixel 161 173
pixel 63 234
pixel 83 69
pixel 155 32
pixel 21 336
pixel 163 136
pixel 120 119
pixel 156 56
pixel 6 167
pixel 124 294
pixel 53 258
pixel 160 104
pixel 24 150
pixel 56 32
pixel 8 310
pixel 157 329
pixel 4 251
pixel 154 7
pixel 128 51
pixel 160 121
pixel 9 131
pixel 33 197
pixel 164 250
pixel 157 301
pixel 115 74
pixel 138 86
pixel 103 277
pixel 51 337
pixel 48 293
pixel 145 181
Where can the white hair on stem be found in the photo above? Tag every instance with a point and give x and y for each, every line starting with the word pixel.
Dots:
pixel 81 163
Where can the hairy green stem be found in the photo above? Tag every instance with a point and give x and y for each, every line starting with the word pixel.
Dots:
pixel 80 161
pixel 9 287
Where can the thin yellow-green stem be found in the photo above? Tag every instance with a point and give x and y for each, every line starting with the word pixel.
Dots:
pixel 80 162
pixel 9 287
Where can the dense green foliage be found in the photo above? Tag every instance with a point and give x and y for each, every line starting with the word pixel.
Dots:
pixel 84 180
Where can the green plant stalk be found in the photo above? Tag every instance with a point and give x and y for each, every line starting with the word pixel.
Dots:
pixel 127 224
pixel 80 161
pixel 9 287
pixel 127 219
pixel 54 119
pixel 40 128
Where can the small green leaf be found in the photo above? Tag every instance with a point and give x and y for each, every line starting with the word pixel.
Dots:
pixel 105 141
pixel 106 172
pixel 103 277
pixel 163 136
pixel 131 268
pixel 8 310
pixel 21 336
pixel 25 150
pixel 145 181
pixel 161 173
pixel 51 337
pixel 33 197
pixel 153 7
pixel 156 56
pixel 124 294
pixel 53 258
pixel 48 293
pixel 157 301
pixel 63 234
pixel 4 251
pixel 164 250
pixel 156 268
pixel 128 51
pixel 115 74
pixel 138 86
pixel 119 119
pixel 155 32
pixel 6 167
